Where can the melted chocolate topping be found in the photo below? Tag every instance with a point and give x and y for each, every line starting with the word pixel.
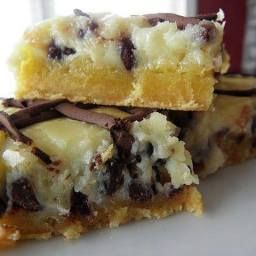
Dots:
pixel 41 110
pixel 8 125
pixel 181 21
pixel 74 112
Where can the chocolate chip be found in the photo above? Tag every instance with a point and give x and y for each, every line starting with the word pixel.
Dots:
pixel 140 192
pixel 114 176
pixel 123 141
pixel 127 53
pixel 79 204
pixel 253 142
pixel 209 32
pixel 95 162
pixel 138 158
pixel 81 32
pixel 93 25
pixel 79 12
pixel 68 51
pixel 23 196
pixel 3 207
pixel 160 162
pixel 150 149
pixel 253 126
pixel 54 52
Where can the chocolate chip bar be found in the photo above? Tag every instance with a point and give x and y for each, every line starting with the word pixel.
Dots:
pixel 226 134
pixel 70 168
pixel 155 60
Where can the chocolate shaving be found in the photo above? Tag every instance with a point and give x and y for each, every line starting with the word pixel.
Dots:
pixel 181 21
pixel 41 155
pixel 79 12
pixel 76 113
pixel 36 108
pixel 26 120
pixel 13 103
pixel 138 114
pixel 208 16
pixel 7 125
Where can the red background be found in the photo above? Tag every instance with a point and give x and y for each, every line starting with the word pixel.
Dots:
pixel 235 16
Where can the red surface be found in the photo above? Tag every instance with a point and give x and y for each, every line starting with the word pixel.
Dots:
pixel 235 13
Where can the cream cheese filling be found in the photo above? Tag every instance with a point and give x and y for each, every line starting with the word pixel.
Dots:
pixel 76 144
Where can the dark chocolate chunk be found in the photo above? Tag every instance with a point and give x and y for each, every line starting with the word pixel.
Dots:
pixel 150 149
pixel 54 52
pixel 253 142
pixel 95 162
pixel 123 141
pixel 140 192
pixel 7 124
pixel 68 51
pixel 76 113
pixel 81 32
pixel 93 25
pixel 23 196
pixel 79 204
pixel 253 125
pixel 3 206
pixel 79 12
pixel 181 21
pixel 209 31
pixel 57 53
pixel 114 176
pixel 127 53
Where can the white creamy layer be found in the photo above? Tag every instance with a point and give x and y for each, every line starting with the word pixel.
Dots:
pixel 227 112
pixel 76 144
pixel 163 45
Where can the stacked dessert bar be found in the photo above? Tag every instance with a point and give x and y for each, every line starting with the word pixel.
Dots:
pixel 95 136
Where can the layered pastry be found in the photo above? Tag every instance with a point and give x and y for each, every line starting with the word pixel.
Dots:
pixel 226 134
pixel 155 60
pixel 69 168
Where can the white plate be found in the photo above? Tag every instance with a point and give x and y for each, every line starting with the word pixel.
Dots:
pixel 228 226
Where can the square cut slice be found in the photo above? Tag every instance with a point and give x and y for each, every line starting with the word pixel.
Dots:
pixel 226 134
pixel 66 169
pixel 157 60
